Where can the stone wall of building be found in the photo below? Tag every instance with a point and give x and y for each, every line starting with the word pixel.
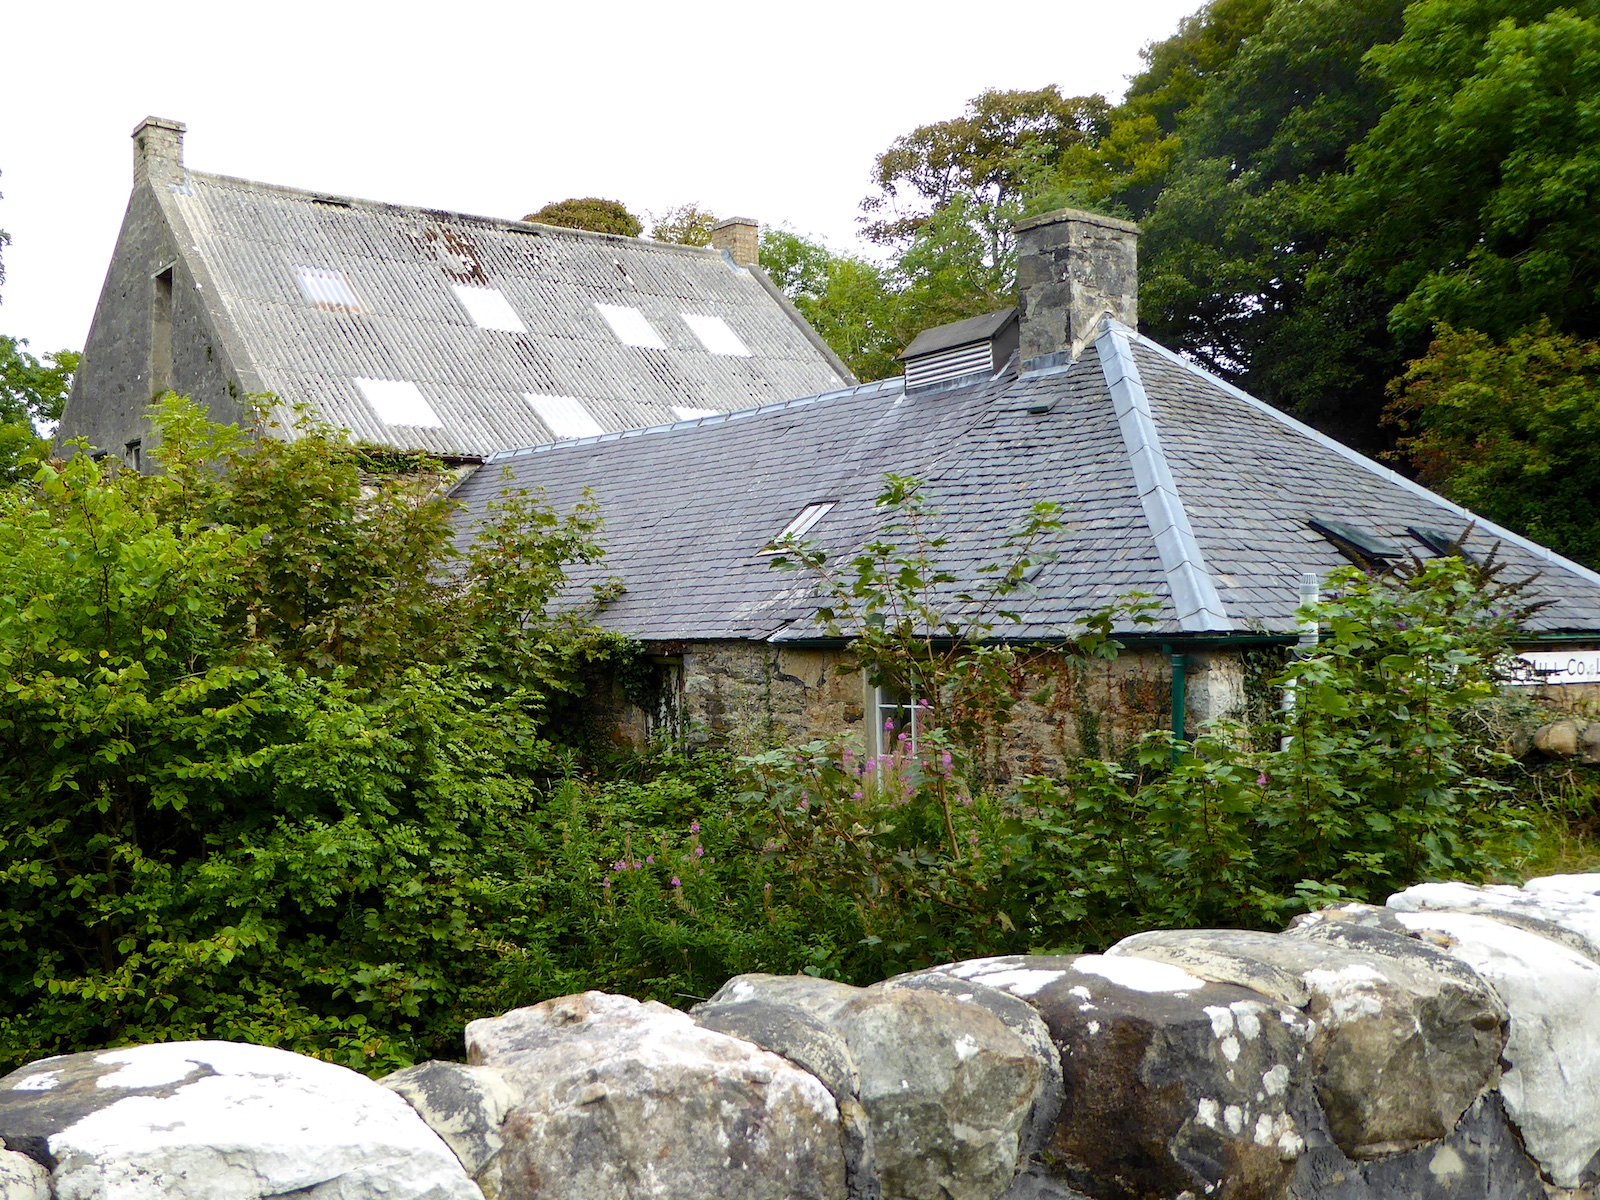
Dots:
pixel 750 696
pixel 131 358
pixel 1443 1047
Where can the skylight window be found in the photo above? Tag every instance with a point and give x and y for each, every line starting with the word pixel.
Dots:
pixel 801 525
pixel 488 308
pixel 684 413
pixel 715 335
pixel 1441 543
pixel 327 289
pixel 398 402
pixel 564 416
pixel 630 326
pixel 1353 541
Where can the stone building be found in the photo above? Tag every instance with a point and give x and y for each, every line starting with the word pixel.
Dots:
pixel 1171 482
pixel 419 329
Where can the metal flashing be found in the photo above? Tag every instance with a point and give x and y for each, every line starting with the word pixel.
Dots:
pixel 1194 594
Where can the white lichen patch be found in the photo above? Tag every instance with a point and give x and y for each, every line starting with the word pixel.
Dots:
pixel 1137 974
pixel 1446 1164
pixel 1078 990
pixel 1233 1118
pixel 1350 991
pixel 1247 1016
pixel 1019 981
pixel 1230 1049
pixel 966 1046
pixel 1207 1112
pixel 1276 1080
pixel 43 1081
pixel 1221 1020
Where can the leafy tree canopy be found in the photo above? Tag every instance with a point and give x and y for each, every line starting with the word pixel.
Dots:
pixel 591 213
pixel 1509 431
pixel 684 225
pixel 986 159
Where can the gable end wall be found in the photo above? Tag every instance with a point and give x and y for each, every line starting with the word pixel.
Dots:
pixel 113 390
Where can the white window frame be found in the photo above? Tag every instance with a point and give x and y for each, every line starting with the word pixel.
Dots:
pixel 802 524
pixel 884 704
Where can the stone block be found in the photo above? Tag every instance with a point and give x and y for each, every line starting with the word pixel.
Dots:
pixel 1551 1084
pixel 1171 1084
pixel 221 1121
pixel 622 1100
pixel 944 1087
pixel 1406 1040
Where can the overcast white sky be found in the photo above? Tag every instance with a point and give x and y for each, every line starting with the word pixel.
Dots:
pixel 765 110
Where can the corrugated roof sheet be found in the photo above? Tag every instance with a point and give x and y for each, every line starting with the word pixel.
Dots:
pixel 688 507
pixel 402 263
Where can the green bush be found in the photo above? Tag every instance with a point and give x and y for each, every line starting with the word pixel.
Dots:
pixel 256 735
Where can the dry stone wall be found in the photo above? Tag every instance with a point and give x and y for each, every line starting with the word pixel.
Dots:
pixel 1443 1047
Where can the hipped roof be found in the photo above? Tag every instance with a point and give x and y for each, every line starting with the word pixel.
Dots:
pixel 1171 482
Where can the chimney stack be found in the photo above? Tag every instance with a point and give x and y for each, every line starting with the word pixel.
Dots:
pixel 739 238
pixel 1072 267
pixel 157 150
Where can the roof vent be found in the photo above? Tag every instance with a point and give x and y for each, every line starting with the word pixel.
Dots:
pixel 978 345
pixel 1361 546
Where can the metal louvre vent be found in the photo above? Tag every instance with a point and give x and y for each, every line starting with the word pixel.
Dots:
pixel 950 364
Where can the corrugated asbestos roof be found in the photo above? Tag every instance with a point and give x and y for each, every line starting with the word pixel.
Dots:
pixel 1170 481
pixel 308 345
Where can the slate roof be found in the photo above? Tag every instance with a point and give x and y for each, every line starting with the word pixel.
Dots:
pixel 1171 482
pixel 250 240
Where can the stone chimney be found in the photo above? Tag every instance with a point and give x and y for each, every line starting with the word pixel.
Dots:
pixel 157 150
pixel 740 237
pixel 1072 267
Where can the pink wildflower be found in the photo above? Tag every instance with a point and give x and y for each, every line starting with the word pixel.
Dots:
pixel 676 882
pixel 694 826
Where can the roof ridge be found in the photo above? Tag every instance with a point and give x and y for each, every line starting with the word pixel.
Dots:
pixel 721 418
pixel 506 223
pixel 1194 593
pixel 1376 468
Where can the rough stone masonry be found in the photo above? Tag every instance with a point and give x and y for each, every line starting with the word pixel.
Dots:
pixel 1444 1047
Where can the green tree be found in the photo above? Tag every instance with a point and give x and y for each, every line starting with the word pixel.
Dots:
pixel 1123 171
pixel 214 823
pixel 852 303
pixel 989 157
pixel 1509 430
pixel 591 213
pixel 1242 247
pixel 1474 202
pixel 32 393
pixel 684 225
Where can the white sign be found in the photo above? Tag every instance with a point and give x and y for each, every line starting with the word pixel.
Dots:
pixel 1545 667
